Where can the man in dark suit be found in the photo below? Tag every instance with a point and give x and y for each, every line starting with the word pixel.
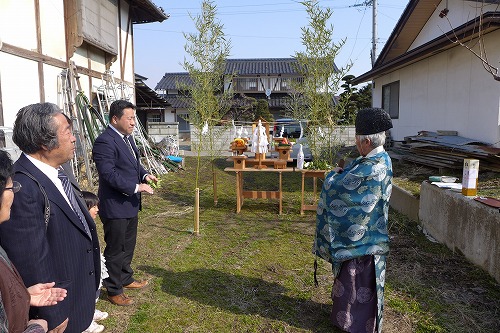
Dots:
pixel 63 247
pixel 122 179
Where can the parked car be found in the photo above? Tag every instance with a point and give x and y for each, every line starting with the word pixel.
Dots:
pixel 291 129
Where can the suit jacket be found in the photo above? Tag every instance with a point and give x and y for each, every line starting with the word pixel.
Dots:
pixel 61 251
pixel 119 173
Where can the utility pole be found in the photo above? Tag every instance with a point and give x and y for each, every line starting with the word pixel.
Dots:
pixel 374 32
pixel 372 3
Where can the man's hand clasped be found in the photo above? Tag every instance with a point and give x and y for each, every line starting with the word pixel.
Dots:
pixel 152 181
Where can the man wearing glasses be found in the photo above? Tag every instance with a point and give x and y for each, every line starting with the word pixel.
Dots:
pixel 62 246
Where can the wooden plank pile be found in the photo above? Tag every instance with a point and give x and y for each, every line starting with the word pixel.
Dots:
pixel 442 150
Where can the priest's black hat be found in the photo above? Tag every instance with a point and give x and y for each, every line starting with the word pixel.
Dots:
pixel 372 121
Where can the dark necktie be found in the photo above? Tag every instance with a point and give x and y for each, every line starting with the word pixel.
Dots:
pixel 68 189
pixel 127 142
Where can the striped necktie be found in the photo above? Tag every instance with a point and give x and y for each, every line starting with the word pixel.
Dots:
pixel 68 189
pixel 129 145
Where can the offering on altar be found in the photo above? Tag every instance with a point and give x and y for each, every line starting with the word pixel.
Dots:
pixel 284 143
pixel 239 145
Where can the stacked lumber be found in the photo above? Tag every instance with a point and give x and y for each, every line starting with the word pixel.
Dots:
pixel 436 150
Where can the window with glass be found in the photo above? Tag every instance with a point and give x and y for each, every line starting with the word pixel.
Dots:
pixel 390 99
pixel 154 118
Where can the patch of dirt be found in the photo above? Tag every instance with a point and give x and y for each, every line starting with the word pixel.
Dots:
pixel 432 277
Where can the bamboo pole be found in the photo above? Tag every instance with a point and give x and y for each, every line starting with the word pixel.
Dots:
pixel 197 211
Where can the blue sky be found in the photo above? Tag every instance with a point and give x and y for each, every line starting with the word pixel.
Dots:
pixel 262 29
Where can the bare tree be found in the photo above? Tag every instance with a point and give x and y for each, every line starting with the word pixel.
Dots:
pixel 476 39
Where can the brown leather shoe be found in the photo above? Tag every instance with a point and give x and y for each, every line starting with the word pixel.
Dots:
pixel 137 285
pixel 122 300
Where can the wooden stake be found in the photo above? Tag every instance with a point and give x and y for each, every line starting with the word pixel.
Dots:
pixel 214 175
pixel 197 211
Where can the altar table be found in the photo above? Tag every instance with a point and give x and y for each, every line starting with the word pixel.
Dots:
pixel 241 194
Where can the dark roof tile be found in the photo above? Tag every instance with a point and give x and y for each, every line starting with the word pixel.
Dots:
pixel 145 11
pixel 266 66
pixel 146 97
pixel 170 81
pixel 177 102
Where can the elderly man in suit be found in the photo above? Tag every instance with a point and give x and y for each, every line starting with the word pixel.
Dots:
pixel 122 179
pixel 62 246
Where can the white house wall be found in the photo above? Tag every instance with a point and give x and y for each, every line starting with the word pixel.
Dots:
pixel 17 23
pixel 24 81
pixel 52 93
pixel 52 30
pixel 19 85
pixel 97 60
pixel 459 13
pixel 125 47
pixel 19 75
pixel 449 91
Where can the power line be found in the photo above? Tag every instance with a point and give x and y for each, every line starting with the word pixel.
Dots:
pixel 239 36
pixel 262 11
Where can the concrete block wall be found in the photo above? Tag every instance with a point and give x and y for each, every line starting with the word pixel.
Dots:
pixel 463 224
pixel 157 131
pixel 344 134
pixel 223 136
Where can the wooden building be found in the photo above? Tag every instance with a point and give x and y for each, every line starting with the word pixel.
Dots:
pixel 267 79
pixel 45 43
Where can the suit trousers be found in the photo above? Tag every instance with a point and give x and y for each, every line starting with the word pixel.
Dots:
pixel 120 236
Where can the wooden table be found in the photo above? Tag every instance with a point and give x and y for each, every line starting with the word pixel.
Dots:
pixel 241 194
pixel 314 174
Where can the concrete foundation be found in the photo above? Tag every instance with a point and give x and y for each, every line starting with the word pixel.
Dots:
pixel 462 224
pixel 404 202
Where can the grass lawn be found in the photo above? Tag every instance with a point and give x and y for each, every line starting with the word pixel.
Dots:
pixel 253 271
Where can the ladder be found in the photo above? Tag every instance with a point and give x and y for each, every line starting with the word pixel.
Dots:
pixel 68 81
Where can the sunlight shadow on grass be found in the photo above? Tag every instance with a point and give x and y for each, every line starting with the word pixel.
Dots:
pixel 242 295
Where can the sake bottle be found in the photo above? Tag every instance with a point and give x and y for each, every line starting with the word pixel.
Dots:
pixel 300 158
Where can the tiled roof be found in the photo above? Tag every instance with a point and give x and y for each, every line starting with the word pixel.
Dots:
pixel 145 11
pixel 170 81
pixel 271 66
pixel 177 102
pixel 146 97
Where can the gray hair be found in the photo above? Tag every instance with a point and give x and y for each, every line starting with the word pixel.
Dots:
pixel 34 127
pixel 376 140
